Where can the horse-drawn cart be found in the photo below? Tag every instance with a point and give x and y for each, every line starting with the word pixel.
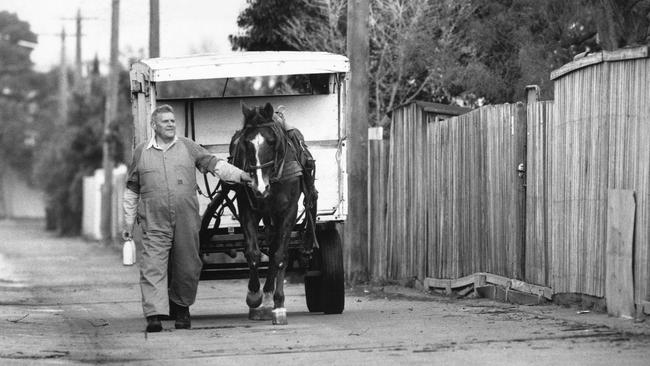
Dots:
pixel 207 92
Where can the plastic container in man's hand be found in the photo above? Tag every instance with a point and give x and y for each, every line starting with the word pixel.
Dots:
pixel 128 253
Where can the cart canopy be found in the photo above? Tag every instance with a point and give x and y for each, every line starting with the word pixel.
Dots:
pixel 242 64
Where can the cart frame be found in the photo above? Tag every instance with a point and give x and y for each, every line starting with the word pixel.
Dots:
pixel 221 233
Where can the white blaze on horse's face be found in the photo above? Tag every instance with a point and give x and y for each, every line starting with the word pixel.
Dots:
pixel 261 181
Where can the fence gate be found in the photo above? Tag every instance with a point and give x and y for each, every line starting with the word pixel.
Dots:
pixel 455 201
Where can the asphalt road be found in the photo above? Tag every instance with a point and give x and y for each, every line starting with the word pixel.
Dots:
pixel 66 301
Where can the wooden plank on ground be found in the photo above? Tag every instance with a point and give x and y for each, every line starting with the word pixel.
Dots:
pixel 531 289
pixel 482 279
pixel 451 283
pixel 497 280
pixel 619 289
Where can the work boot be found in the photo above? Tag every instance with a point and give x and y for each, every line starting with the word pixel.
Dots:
pixel 153 324
pixel 182 317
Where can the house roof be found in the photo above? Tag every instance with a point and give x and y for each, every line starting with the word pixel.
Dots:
pixel 242 64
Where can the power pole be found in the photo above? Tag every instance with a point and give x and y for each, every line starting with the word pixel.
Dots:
pixel 77 59
pixel 63 86
pixel 356 228
pixel 3 204
pixel 154 28
pixel 109 120
pixel 78 63
pixel 54 221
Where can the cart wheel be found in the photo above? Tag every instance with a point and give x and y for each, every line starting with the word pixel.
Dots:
pixel 211 219
pixel 332 294
pixel 313 287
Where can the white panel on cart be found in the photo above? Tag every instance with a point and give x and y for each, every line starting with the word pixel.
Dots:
pixel 216 120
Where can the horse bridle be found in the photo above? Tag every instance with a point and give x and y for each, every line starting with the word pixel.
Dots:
pixel 261 166
pixel 276 158
pixel 251 168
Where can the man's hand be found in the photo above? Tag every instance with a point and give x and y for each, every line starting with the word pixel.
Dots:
pixel 126 235
pixel 231 174
pixel 246 178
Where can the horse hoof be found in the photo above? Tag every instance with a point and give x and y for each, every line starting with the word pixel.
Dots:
pixel 260 313
pixel 280 316
pixel 254 299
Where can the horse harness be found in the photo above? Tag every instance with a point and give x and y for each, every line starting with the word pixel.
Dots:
pixel 283 170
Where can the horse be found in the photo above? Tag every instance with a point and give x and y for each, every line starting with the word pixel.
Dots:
pixel 262 149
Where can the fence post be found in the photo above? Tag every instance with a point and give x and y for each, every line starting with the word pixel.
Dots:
pixel 522 156
pixel 537 259
pixel 532 94
pixel 376 203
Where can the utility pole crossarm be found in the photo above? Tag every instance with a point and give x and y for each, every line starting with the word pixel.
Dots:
pixel 78 64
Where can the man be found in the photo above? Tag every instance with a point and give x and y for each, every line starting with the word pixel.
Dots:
pixel 161 188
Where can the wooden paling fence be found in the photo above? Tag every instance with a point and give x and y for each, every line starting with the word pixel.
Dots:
pixel 449 209
pixel 447 199
pixel 599 140
pixel 405 235
pixel 475 196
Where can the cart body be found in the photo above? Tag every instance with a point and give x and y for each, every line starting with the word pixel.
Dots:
pixel 211 119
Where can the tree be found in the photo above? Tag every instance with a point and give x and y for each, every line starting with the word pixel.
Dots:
pixel 408 41
pixel 622 23
pixel 56 158
pixel 76 150
pixel 325 32
pixel 516 43
pixel 468 52
pixel 262 22
pixel 17 89
pixel 14 56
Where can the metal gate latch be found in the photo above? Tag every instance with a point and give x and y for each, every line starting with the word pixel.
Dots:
pixel 521 170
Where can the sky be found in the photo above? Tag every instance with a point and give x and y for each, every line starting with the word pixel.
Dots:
pixel 186 27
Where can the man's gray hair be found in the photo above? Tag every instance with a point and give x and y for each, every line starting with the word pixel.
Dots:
pixel 165 108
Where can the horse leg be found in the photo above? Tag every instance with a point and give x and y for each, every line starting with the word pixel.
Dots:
pixel 253 257
pixel 280 258
pixel 269 283
pixel 264 312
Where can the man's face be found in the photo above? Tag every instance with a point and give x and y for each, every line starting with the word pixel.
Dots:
pixel 164 125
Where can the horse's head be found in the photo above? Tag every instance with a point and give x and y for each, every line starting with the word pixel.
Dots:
pixel 261 147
